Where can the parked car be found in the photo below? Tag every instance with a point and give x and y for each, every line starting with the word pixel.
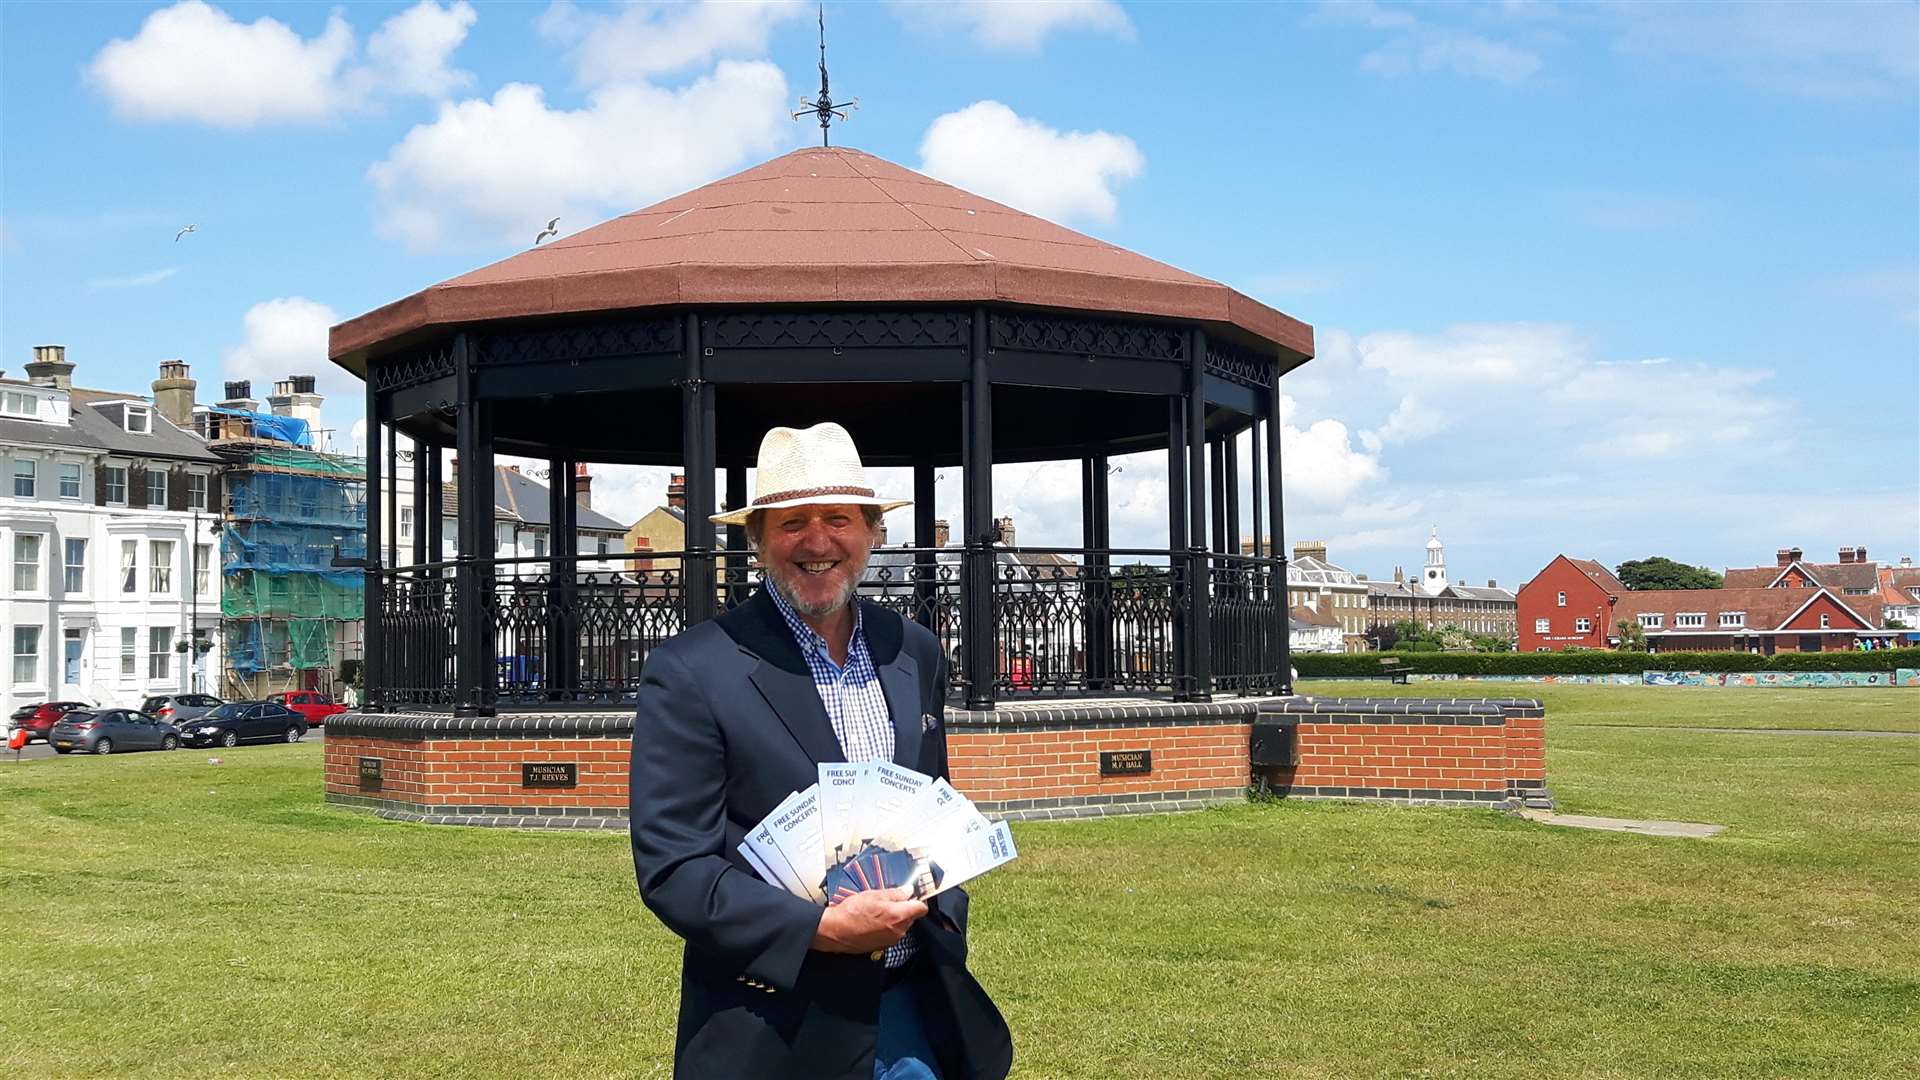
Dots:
pixel 39 719
pixel 245 721
pixel 311 704
pixel 178 708
pixel 107 731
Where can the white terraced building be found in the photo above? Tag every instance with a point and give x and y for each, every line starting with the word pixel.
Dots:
pixel 110 564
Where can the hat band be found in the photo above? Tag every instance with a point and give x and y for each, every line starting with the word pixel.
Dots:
pixel 808 493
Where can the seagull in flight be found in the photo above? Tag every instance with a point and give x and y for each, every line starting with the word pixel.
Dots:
pixel 183 232
pixel 552 230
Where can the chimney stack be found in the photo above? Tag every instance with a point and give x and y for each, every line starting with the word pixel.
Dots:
pixel 677 491
pixel 941 532
pixel 240 396
pixel 1860 553
pixel 881 541
pixel 1783 557
pixel 173 393
pixel 294 396
pixel 1004 525
pixel 582 485
pixel 1399 575
pixel 1492 584
pixel 1796 554
pixel 1314 549
pixel 50 367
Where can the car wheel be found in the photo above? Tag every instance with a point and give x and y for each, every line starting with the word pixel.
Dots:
pixel 230 738
pixel 294 733
pixel 104 746
pixel 169 743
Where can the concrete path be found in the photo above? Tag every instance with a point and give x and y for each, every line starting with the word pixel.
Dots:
pixel 1692 829
pixel 1854 734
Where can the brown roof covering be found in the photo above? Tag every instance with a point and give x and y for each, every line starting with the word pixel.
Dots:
pixel 1836 576
pixel 1900 585
pixel 1766 609
pixel 821 226
pixel 1313 616
pixel 1602 576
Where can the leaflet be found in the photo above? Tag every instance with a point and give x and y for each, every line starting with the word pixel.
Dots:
pixel 894 793
pixel 767 850
pixel 963 856
pixel 796 832
pixel 839 808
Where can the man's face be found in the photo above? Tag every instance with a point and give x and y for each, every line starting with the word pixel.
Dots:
pixel 815 554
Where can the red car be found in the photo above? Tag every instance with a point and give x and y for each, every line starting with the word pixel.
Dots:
pixel 39 719
pixel 312 704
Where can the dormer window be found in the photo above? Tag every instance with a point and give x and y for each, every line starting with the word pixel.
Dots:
pixel 16 403
pixel 139 419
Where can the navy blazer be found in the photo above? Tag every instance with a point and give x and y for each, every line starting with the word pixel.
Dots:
pixel 729 724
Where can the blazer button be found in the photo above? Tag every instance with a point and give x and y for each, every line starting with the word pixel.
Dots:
pixel 877 954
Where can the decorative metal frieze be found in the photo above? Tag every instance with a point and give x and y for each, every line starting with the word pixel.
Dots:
pixel 411 368
pixel 1236 363
pixel 655 336
pixel 1087 337
pixel 837 330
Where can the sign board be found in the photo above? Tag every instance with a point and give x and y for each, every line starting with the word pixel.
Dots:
pixel 369 774
pixel 1125 762
pixel 549 774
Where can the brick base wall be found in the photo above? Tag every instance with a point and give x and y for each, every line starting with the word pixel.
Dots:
pixel 1026 760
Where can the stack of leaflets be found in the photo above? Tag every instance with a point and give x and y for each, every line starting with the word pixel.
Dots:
pixel 874 825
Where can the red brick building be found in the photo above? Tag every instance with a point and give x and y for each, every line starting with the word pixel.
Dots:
pixel 1793 606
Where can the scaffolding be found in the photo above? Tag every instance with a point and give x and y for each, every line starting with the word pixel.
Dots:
pixel 290 615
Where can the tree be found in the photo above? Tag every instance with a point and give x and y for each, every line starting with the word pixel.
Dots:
pixel 1656 572
pixel 1632 638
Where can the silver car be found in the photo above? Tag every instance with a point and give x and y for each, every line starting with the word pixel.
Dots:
pixel 107 731
pixel 179 708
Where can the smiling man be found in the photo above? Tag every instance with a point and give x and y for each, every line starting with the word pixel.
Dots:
pixel 737 713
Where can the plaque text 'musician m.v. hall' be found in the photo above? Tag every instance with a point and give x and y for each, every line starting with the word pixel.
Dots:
pixel 1125 762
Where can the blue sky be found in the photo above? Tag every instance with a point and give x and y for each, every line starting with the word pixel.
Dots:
pixel 1609 280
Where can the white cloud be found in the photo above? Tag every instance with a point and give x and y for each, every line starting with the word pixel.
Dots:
pixel 1415 46
pixel 990 150
pixel 642 41
pixel 1018 27
pixel 1820 50
pixel 1629 211
pixel 288 336
pixel 194 62
pixel 502 167
pixel 134 281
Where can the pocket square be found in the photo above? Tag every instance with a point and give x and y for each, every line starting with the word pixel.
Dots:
pixel 928 721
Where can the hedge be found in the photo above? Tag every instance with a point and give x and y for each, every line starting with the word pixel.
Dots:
pixel 1596 662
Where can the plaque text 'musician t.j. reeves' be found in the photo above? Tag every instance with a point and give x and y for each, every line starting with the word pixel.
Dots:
pixel 370 774
pixel 1125 762
pixel 549 774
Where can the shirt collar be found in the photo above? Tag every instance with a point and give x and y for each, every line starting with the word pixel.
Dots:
pixel 809 639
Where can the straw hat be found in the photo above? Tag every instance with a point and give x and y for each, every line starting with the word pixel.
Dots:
pixel 800 467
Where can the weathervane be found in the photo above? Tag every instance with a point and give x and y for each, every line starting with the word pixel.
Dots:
pixel 825 107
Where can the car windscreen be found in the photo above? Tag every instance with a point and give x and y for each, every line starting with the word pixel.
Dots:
pixel 226 712
pixel 152 703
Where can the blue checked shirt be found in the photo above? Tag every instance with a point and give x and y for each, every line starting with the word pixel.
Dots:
pixel 856 703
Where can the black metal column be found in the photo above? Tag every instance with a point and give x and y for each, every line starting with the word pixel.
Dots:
pixel 1177 568
pixel 423 453
pixel 562 570
pixel 1278 533
pixel 1230 446
pixel 736 539
pixel 1199 625
pixel 977 628
pixel 1217 494
pixel 1095 538
pixel 1259 502
pixel 697 453
pixel 373 651
pixel 432 526
pixel 926 565
pixel 476 671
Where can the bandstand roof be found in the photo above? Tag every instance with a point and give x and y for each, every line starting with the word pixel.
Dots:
pixel 821 226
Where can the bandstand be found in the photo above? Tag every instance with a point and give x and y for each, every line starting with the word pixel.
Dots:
pixel 946 332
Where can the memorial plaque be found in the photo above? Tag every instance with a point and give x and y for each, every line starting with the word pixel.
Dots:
pixel 549 774
pixel 369 774
pixel 1126 762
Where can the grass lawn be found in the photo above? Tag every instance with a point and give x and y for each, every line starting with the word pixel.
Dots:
pixel 167 917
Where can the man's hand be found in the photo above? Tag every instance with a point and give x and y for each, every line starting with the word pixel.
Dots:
pixel 867 922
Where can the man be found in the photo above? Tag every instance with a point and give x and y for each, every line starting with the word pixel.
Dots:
pixel 737 713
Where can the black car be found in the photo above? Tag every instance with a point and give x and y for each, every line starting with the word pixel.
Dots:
pixel 105 731
pixel 244 721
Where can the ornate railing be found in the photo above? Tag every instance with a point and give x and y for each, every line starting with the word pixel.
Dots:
pixel 577 630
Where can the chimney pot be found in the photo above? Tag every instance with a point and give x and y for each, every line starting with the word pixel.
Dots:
pixel 677 491
pixel 1783 557
pixel 1860 553
pixel 582 485
pixel 1004 525
pixel 942 532
pixel 50 367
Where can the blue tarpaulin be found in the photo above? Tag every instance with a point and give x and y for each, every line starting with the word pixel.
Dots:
pixel 269 426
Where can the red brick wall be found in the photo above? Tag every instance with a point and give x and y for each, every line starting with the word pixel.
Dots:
pixel 1540 599
pixel 1446 757
pixel 479 772
pixel 999 766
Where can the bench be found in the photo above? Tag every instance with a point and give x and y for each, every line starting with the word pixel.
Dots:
pixel 1393 669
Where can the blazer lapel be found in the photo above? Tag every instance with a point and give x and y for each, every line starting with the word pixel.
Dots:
pixel 797 703
pixel 901 682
